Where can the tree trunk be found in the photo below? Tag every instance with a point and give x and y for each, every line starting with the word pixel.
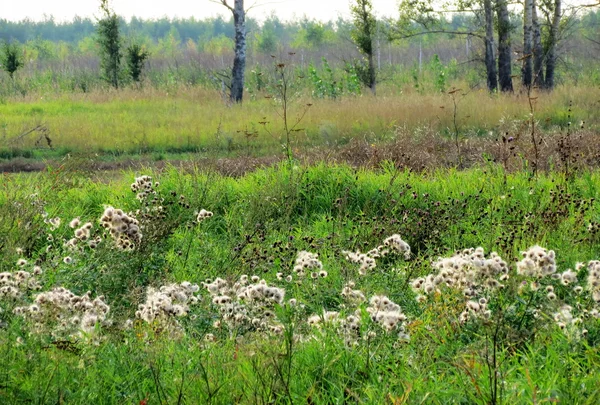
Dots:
pixel 527 68
pixel 504 48
pixel 490 57
pixel 239 60
pixel 372 75
pixel 552 42
pixel 538 51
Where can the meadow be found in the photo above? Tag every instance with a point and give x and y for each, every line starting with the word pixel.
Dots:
pixel 154 124
pixel 418 247
pixel 300 284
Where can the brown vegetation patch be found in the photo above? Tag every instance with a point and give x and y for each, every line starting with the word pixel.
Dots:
pixel 425 151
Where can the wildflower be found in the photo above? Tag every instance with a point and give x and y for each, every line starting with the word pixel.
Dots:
pixel 366 262
pixel 202 215
pixel 468 270
pixel 396 243
pixel 323 274
pixel 403 336
pixel 167 303
pixel 537 262
pixel 68 260
pixel 306 261
pixel 123 228
pixel 143 187
pixel 93 244
pixel 21 262
pixel 74 223
pixel 385 312
pixel 313 320
pixel 71 243
pixel 593 279
pixel 54 223
pixel 354 296
pixel 62 313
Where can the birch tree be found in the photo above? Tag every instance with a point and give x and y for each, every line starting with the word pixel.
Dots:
pixel 239 60
pixel 423 13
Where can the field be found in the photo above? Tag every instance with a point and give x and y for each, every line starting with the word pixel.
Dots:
pixel 153 125
pixel 338 328
pixel 401 249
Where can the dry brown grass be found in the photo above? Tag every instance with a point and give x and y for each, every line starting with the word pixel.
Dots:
pixel 427 152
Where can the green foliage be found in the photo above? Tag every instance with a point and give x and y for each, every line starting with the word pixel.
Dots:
pixel 312 35
pixel 109 40
pixel 136 57
pixel 352 80
pixel 416 78
pixel 363 35
pixel 326 86
pixel 261 221
pixel 62 58
pixel 267 41
pixel 10 58
pixel 439 71
pixel 414 15
pixel 365 26
pixel 332 84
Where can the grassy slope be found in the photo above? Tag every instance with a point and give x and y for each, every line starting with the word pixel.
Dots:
pixel 325 210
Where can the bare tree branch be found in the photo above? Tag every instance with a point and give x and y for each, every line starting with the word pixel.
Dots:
pixel 592 40
pixel 223 3
pixel 469 33
pixel 257 3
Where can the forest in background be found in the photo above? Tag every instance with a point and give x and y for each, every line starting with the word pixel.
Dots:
pixel 64 56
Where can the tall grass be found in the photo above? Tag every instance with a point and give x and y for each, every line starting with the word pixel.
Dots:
pixel 260 222
pixel 192 119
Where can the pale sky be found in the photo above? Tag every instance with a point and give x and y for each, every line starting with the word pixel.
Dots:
pixel 286 9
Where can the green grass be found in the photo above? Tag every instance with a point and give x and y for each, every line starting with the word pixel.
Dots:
pixel 194 120
pixel 260 222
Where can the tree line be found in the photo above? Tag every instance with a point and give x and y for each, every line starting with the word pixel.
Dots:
pixel 539 26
